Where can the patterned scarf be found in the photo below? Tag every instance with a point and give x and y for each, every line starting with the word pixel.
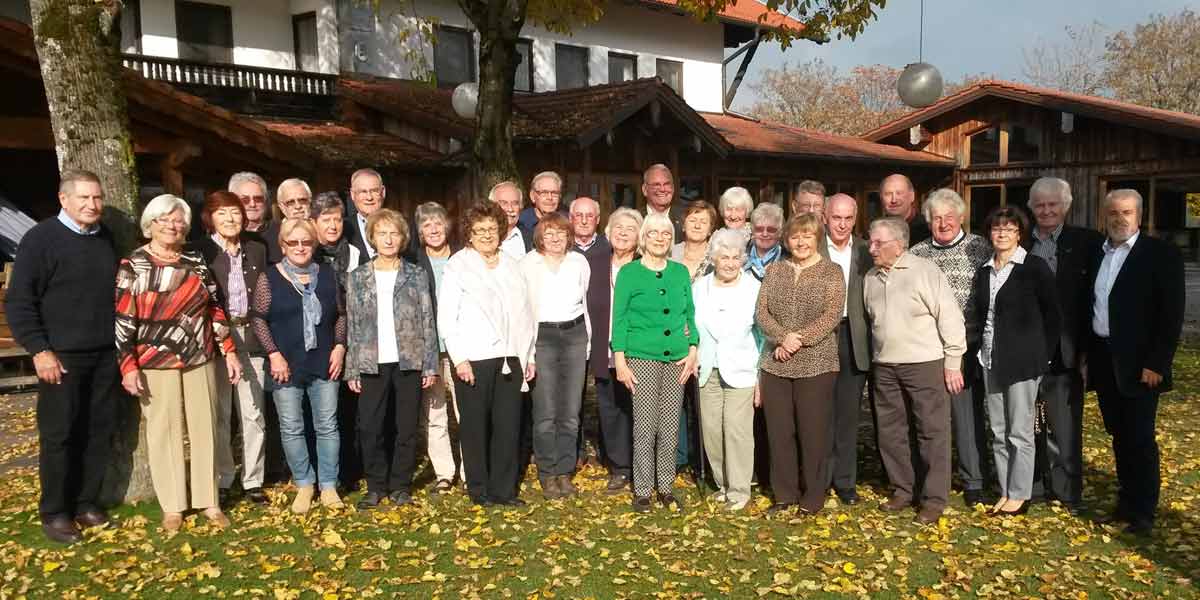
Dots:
pixel 308 293
pixel 758 264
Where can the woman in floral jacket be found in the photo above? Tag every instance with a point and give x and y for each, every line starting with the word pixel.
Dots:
pixel 393 356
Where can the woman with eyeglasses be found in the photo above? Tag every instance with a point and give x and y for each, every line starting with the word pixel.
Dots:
pixel 300 321
pixel 170 324
pixel 485 317
pixel 1017 316
pixel 764 247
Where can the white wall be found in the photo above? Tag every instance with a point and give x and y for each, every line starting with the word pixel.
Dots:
pixel 327 30
pixel 625 29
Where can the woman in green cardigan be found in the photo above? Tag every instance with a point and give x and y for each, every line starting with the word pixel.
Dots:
pixel 654 343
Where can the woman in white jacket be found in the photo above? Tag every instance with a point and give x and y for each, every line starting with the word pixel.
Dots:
pixel 557 280
pixel 729 349
pixel 484 316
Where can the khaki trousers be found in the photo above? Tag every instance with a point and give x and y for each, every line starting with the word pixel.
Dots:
pixel 247 396
pixel 436 403
pixel 727 422
pixel 181 403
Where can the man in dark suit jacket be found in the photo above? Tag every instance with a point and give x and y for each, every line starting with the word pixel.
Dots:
pixel 658 188
pixel 1069 252
pixel 1136 319
pixel 367 192
pixel 854 347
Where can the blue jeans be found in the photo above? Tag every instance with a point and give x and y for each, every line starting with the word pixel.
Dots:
pixel 289 403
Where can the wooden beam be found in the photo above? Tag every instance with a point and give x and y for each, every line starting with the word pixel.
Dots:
pixel 741 73
pixel 1152 210
pixel 171 167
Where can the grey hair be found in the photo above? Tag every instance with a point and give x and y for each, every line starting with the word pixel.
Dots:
pixel 808 186
pixel 1053 186
pixel 327 201
pixel 941 198
pixel 584 199
pixel 651 221
pixel 161 206
pixel 622 213
pixel 736 197
pixel 895 225
pixel 657 167
pixel 546 175
pixel 1124 193
pixel 492 192
pixel 247 177
pixel 727 241
pixel 840 197
pixel 293 181
pixel 767 211
pixel 70 177
pixel 430 210
pixel 367 171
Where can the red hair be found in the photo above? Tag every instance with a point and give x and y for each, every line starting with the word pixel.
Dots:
pixel 216 201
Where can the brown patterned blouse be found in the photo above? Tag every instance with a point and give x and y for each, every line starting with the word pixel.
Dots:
pixel 810 305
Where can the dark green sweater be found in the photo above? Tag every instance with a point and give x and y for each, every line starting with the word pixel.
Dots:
pixel 653 317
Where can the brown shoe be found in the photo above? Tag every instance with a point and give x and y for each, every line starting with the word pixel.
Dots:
pixel 929 515
pixel 92 517
pixel 172 522
pixel 61 529
pixel 550 488
pixel 895 504
pixel 217 518
pixel 566 487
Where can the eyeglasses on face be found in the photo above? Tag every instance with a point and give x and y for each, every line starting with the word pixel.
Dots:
pixel 252 199
pixel 659 234
pixel 169 222
pixel 305 243
pixel 362 193
pixel 879 243
pixel 766 229
pixel 551 193
pixel 482 231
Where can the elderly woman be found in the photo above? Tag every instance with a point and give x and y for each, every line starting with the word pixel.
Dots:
pixel 167 361
pixel 799 309
pixel 557 280
pixel 333 248
pixel 654 349
pixel 736 204
pixel 433 228
pixel 699 218
pixel 235 262
pixel 729 348
pixel 1017 316
pixel 300 321
pixel 392 356
pixel 485 317
pixel 614 403
pixel 764 247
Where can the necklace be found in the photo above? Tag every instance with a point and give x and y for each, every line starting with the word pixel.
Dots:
pixel 165 255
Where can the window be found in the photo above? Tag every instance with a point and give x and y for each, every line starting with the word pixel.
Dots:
pixel 570 66
pixel 985 147
pixel 454 56
pixel 205 32
pixel 131 27
pixel 621 67
pixel 304 35
pixel 524 81
pixel 983 199
pixel 1023 144
pixel 671 72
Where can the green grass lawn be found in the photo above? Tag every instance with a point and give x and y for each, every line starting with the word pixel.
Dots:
pixel 593 546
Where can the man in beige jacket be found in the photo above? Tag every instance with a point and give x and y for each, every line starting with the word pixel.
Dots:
pixel 919 339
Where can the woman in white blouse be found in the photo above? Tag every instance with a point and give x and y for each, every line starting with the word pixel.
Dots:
pixel 484 317
pixel 729 349
pixel 557 281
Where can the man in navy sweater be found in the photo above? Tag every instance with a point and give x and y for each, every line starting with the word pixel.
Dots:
pixel 61 309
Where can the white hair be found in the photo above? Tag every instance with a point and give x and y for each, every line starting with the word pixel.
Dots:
pixel 546 175
pixel 895 225
pixel 503 184
pixel 736 197
pixel 727 241
pixel 368 171
pixel 238 179
pixel 1124 193
pixel 162 206
pixel 943 198
pixel 584 200
pixel 1051 186
pixel 767 211
pixel 623 213
pixel 654 221
pixel 293 181
pixel 840 197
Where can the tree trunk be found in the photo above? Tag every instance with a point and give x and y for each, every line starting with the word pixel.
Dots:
pixel 493 149
pixel 78 45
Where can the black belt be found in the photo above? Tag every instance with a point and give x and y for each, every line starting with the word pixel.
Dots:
pixel 562 324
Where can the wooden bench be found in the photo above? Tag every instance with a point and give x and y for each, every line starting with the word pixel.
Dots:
pixel 16 366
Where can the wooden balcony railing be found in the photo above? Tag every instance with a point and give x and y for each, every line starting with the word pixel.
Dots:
pixel 188 72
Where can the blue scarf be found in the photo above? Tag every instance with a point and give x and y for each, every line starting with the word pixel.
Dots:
pixel 308 293
pixel 758 264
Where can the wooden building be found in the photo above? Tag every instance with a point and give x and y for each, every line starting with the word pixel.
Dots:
pixel 1001 136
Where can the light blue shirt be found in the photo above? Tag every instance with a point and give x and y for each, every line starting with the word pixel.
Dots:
pixel 73 226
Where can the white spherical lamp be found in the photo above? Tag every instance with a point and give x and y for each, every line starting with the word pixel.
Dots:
pixel 465 99
pixel 919 85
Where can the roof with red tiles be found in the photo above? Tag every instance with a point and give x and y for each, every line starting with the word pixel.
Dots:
pixel 1106 109
pixel 753 136
pixel 745 12
pixel 340 145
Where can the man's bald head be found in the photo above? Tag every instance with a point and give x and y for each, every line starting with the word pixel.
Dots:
pixel 841 213
pixel 898 195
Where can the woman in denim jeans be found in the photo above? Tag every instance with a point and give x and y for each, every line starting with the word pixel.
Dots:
pixel 300 321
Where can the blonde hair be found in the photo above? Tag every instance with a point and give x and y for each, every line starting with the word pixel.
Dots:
pixel 390 216
pixel 287 226
pixel 654 221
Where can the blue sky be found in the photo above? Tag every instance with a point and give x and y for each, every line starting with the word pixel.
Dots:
pixel 961 36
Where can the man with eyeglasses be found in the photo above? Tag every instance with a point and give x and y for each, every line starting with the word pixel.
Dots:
pixel 293 197
pixel 919 339
pixel 586 240
pixel 367 192
pixel 513 242
pixel 809 199
pixel 545 196
pixel 251 189
pixel 658 187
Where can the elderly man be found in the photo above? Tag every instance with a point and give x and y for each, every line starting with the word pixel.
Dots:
pixel 854 359
pixel 1069 252
pixel 658 187
pixel 367 192
pixel 918 338
pixel 251 189
pixel 545 194
pixel 1136 319
pixel 60 308
pixel 809 198
pixel 513 242
pixel 585 225
pixel 900 200
pixel 959 254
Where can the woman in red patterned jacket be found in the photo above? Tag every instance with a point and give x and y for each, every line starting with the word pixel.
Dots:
pixel 170 325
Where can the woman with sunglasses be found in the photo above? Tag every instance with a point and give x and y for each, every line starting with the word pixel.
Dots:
pixel 299 319
pixel 764 247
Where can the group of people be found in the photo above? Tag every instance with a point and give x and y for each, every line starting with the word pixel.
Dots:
pixel 771 328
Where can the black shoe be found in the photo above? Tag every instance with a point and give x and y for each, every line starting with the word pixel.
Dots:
pixel 257 496
pixel 91 517
pixel 667 500
pixel 1120 514
pixel 224 497
pixel 369 500
pixel 1140 526
pixel 514 502
pixel 1077 509
pixel 400 497
pixel 481 501
pixel 641 504
pixel 61 529
pixel 616 484
pixel 973 497
pixel 1012 513
pixel 779 507
pixel 848 497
